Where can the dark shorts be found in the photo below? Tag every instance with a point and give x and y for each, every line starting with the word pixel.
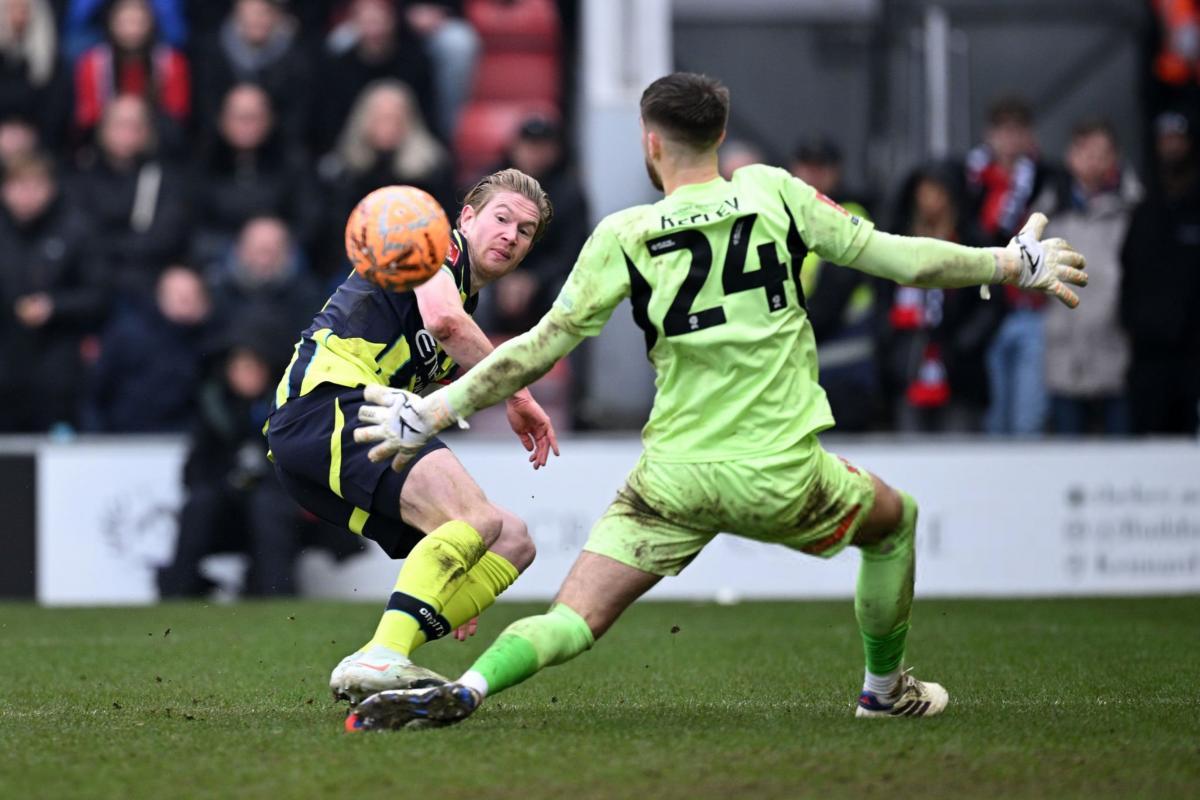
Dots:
pixel 328 473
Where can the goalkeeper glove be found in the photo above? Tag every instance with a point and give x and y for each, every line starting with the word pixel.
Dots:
pixel 401 422
pixel 1047 266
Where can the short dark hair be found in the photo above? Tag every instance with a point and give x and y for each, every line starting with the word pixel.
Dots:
pixel 1091 126
pixel 691 109
pixel 1010 109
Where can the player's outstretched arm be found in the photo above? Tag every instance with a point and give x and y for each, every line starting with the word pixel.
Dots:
pixel 401 422
pixel 1028 262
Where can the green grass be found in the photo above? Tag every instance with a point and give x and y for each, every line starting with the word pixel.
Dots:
pixel 1080 698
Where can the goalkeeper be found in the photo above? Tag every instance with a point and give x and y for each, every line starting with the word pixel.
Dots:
pixel 731 444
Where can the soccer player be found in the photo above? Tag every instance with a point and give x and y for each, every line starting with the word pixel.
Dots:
pixel 460 551
pixel 731 443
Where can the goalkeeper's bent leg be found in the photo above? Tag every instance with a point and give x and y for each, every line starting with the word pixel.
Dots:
pixel 883 599
pixel 594 594
pixel 528 646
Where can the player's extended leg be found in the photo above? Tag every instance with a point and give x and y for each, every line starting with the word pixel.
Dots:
pixel 472 552
pixel 595 593
pixel 883 605
pixel 470 544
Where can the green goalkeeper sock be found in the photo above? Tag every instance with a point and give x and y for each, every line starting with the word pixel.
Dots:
pixel 526 647
pixel 883 600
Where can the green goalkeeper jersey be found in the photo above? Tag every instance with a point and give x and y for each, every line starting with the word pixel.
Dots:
pixel 713 274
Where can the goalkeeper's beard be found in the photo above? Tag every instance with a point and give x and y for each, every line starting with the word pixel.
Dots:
pixel 655 178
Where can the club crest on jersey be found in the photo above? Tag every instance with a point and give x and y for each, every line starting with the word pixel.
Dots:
pixel 452 252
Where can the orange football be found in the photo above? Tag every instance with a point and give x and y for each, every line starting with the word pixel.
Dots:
pixel 397 237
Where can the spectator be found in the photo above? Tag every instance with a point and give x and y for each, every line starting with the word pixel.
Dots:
pixel 33 82
pixel 522 297
pixel 150 359
pixel 250 170
pixel 135 201
pixel 453 47
pixel 1004 174
pixel 841 303
pixel 1160 287
pixel 1174 55
pixel 385 141
pixel 80 30
pixel 51 299
pixel 233 502
pixel 263 274
pixel 258 43
pixel 934 340
pixel 738 153
pixel 379 48
pixel 132 62
pixel 1087 353
pixel 19 139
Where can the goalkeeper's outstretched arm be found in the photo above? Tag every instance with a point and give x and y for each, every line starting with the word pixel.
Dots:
pixel 1027 262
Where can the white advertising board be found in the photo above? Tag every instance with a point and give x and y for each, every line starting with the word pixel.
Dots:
pixel 997 519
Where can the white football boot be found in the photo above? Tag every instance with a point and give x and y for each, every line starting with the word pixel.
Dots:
pixel 376 669
pixel 915 699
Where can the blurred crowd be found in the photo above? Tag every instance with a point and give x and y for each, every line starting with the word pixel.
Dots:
pixel 175 176
pixel 1127 361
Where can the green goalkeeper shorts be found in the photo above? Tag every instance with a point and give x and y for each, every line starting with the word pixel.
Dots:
pixel 805 498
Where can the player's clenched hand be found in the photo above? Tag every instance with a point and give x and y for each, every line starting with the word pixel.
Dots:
pixel 401 423
pixel 467 629
pixel 532 426
pixel 1046 265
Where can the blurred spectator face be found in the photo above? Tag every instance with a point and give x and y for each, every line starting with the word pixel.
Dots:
pixel 182 297
pixel 27 193
pixel 246 373
pixel 19 14
pixel 263 249
pixel 387 122
pixel 1172 142
pixel 375 21
pixel 735 155
pixel 131 24
pixel 1093 159
pixel 536 157
pixel 255 21
pixel 824 177
pixel 932 201
pixel 18 138
pixel 246 117
pixel 1010 139
pixel 125 129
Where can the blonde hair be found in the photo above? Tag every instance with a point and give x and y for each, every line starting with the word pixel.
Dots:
pixel 517 182
pixel 419 154
pixel 40 43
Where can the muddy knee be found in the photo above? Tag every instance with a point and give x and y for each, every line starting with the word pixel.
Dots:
pixel 514 541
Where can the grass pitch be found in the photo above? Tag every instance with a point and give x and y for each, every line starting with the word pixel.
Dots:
pixel 1078 698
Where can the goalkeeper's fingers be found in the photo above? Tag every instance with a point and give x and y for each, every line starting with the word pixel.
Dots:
pixel 1035 225
pixel 380 395
pixel 1076 277
pixel 374 415
pixel 365 434
pixel 1059 290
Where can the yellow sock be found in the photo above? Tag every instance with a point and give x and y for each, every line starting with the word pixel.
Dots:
pixel 433 573
pixel 486 580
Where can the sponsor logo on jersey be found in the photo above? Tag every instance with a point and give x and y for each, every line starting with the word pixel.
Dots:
pixel 835 206
pixel 452 252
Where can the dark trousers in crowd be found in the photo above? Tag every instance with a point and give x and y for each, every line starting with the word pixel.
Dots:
pixel 1164 393
pixel 1075 416
pixel 260 521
